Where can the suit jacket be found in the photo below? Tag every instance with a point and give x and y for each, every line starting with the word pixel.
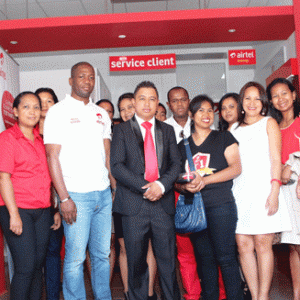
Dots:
pixel 128 165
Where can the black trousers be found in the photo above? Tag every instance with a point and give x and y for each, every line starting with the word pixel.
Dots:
pixel 216 246
pixel 151 222
pixel 28 251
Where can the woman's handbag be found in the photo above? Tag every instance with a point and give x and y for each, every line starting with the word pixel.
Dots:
pixel 190 212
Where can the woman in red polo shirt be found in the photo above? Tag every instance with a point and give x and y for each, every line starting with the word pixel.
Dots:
pixel 25 197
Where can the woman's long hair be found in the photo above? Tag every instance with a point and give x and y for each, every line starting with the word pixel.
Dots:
pixel 263 99
pixel 223 125
pixel 195 106
pixel 275 113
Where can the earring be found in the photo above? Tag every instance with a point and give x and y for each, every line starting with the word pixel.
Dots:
pixel 243 111
pixel 263 113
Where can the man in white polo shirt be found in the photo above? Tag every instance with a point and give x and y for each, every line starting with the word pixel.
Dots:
pixel 178 103
pixel 77 136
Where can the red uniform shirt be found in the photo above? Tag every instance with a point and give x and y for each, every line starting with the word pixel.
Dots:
pixel 290 137
pixel 26 162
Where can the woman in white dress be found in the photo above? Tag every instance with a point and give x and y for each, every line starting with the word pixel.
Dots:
pixel 257 189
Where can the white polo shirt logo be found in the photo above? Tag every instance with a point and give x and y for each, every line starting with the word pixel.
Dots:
pixel 99 120
pixel 74 120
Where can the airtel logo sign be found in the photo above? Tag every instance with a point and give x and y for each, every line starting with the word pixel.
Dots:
pixel 242 57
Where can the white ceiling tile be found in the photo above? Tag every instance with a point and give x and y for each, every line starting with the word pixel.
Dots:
pixel 52 1
pixel 17 8
pixel 226 3
pixel 98 6
pixel 2 12
pixel 35 11
pixel 95 8
pixel 16 11
pixel 2 15
pixel 63 8
pixel 34 1
pixel 279 2
pixel 118 8
pixel 258 2
pixel 182 5
pixel 146 6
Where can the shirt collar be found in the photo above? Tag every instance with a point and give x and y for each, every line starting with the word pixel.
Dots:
pixel 78 102
pixel 140 120
pixel 19 134
pixel 187 124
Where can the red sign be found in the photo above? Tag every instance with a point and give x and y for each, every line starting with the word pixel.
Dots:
pixel 7 109
pixel 242 57
pixel 142 62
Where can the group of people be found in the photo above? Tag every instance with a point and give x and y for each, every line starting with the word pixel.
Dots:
pixel 64 163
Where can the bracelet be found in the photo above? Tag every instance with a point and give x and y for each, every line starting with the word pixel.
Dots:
pixel 113 190
pixel 277 180
pixel 64 200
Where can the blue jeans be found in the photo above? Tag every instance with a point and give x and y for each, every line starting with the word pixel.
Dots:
pixel 93 229
pixel 216 246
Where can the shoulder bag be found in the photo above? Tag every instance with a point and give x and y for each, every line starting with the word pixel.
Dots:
pixel 190 215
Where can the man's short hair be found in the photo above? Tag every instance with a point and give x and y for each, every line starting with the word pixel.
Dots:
pixel 75 67
pixel 145 84
pixel 177 88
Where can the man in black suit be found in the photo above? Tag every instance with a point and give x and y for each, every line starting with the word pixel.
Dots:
pixel 145 201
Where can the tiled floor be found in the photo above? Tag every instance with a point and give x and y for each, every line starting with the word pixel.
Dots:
pixel 281 285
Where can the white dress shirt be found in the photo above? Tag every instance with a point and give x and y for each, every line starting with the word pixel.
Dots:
pixel 178 128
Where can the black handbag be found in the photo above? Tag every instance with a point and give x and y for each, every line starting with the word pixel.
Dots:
pixel 190 213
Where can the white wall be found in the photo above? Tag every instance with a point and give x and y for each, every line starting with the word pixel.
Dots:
pixel 55 79
pixel 120 83
pixel 51 61
pixel 40 69
pixel 58 80
pixel 268 57
pixel 238 76
pixel 44 65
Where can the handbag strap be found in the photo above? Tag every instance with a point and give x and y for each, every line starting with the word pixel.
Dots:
pixel 189 154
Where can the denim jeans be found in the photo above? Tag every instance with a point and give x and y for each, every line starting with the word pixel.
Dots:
pixel 216 246
pixel 93 229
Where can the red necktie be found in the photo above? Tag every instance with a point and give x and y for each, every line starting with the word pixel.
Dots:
pixel 151 173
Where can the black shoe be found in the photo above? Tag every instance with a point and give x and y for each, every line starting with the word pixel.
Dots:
pixel 153 297
pixel 126 296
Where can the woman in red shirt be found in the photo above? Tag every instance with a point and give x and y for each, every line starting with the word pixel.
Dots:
pixel 285 108
pixel 25 197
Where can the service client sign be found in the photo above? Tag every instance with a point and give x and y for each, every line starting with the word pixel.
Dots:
pixel 142 62
pixel 242 57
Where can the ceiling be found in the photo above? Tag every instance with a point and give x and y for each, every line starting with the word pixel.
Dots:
pixel 24 9
pixel 57 25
